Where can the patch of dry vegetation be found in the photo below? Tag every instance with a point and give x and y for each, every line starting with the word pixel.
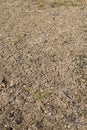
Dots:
pixel 54 3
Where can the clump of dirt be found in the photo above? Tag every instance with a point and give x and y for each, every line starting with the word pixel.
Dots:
pixel 43 65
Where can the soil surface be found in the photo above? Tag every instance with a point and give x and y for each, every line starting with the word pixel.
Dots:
pixel 43 65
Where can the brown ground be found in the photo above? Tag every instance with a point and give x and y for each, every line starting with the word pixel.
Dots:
pixel 43 65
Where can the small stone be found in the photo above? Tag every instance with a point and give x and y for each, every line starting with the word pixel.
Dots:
pixel 11 91
pixel 5 126
pixel 11 83
pixel 14 129
pixel 29 128
pixel 49 114
pixel 41 90
pixel 17 102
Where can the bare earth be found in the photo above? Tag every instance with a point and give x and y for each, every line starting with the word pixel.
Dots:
pixel 43 65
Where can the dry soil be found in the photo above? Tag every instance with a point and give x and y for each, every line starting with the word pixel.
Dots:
pixel 43 65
